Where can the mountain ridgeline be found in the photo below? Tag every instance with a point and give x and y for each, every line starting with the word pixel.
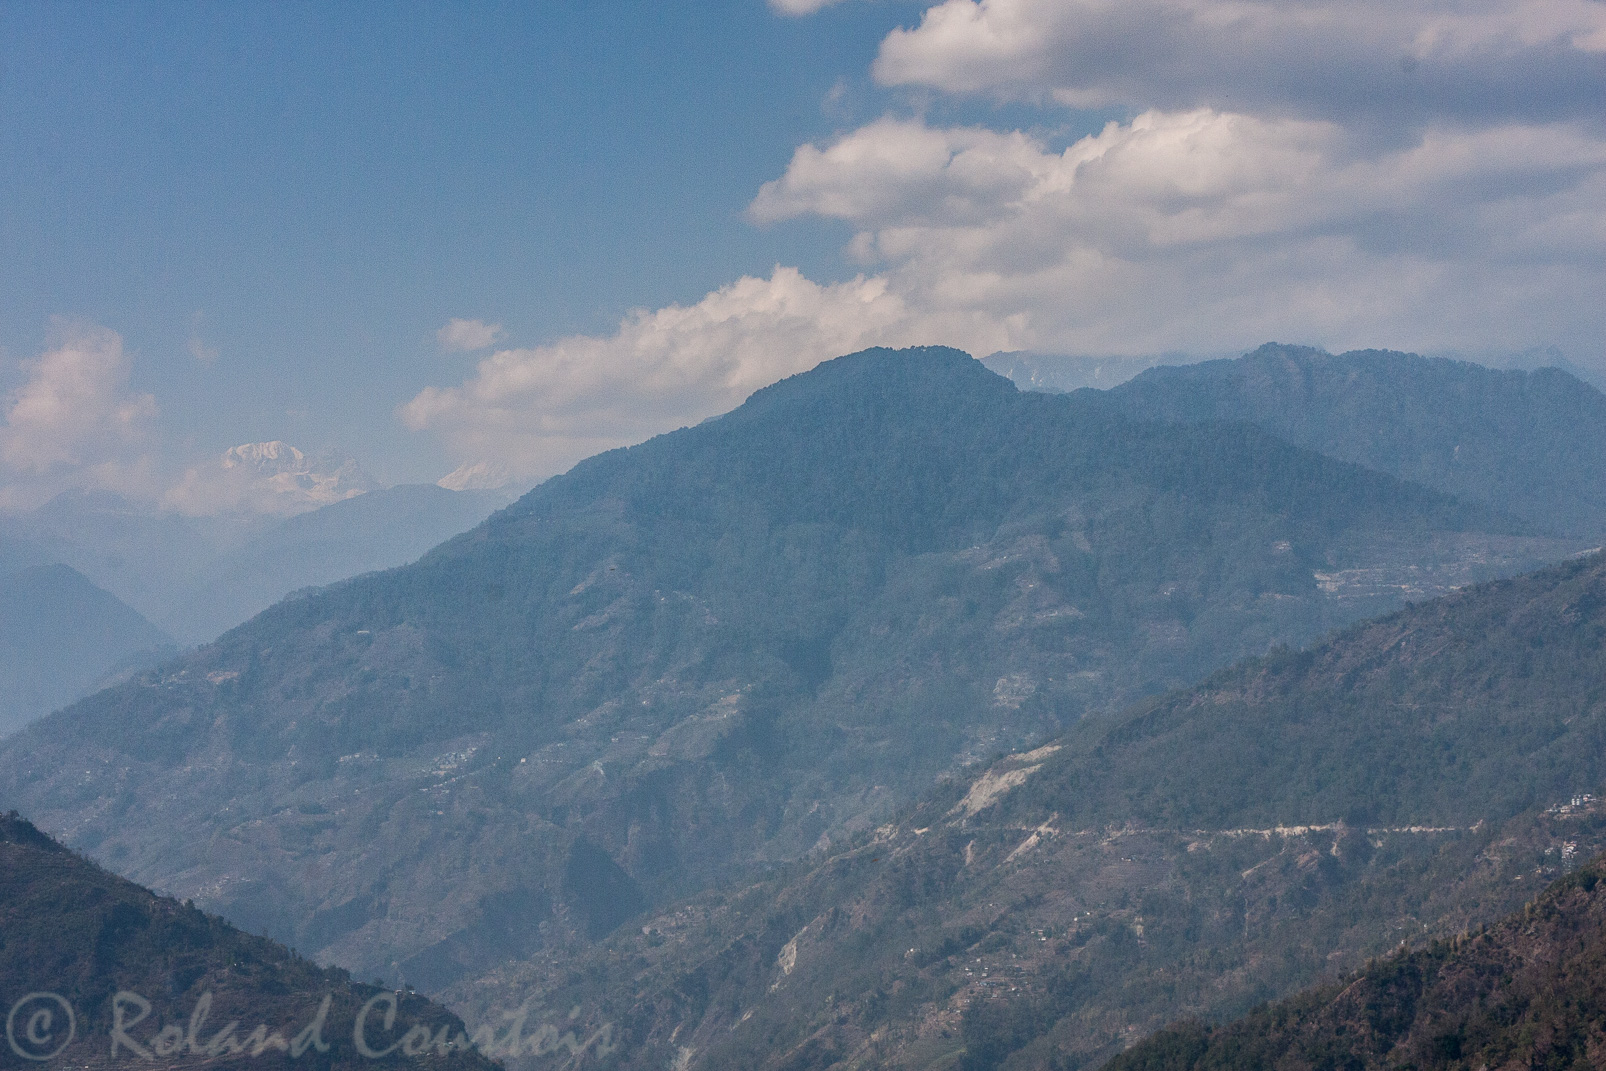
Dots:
pixel 1529 441
pixel 717 651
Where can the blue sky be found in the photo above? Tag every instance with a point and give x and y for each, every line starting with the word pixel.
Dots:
pixel 251 220
pixel 328 184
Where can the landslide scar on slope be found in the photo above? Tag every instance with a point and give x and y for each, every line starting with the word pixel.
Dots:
pixel 991 786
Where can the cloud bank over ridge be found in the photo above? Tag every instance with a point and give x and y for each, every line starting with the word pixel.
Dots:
pixel 1111 178
pixel 537 411
pixel 1168 176
pixel 1419 175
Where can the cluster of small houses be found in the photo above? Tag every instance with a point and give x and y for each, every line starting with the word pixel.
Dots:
pixel 1577 803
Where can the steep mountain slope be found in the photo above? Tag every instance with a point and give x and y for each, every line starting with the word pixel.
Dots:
pixel 1528 992
pixel 377 530
pixel 73 937
pixel 1205 851
pixel 1531 441
pixel 725 646
pixel 59 636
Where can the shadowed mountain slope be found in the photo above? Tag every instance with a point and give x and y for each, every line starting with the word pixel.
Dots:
pixel 1530 441
pixel 73 937
pixel 1203 852
pixel 719 649
pixel 1528 992
pixel 59 636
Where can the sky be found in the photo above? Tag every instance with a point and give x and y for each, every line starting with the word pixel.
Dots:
pixel 491 239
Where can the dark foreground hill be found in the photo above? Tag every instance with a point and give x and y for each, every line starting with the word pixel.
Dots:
pixel 1531 441
pixel 98 972
pixel 725 647
pixel 1528 992
pixel 59 636
pixel 1203 852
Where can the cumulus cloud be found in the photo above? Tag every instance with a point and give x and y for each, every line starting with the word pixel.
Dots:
pixel 1191 231
pixel 1208 230
pixel 537 411
pixel 903 169
pixel 1168 178
pixel 75 422
pixel 465 336
pixel 1483 61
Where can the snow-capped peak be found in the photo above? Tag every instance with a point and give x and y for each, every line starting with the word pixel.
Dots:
pixel 269 477
pixel 266 458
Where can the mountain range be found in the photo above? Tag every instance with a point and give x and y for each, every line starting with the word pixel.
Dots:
pixel 1527 441
pixel 719 651
pixel 1290 818
pixel 745 687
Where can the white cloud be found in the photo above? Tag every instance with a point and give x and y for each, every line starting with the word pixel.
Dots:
pixel 1193 231
pixel 537 411
pixel 1168 178
pixel 1480 61
pixel 75 422
pixel 1425 175
pixel 1207 230
pixel 797 8
pixel 197 345
pixel 464 336
pixel 893 168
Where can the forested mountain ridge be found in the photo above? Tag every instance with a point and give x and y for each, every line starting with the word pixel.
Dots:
pixel 1204 851
pixel 1485 702
pixel 73 937
pixel 1530 441
pixel 1529 991
pixel 725 646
